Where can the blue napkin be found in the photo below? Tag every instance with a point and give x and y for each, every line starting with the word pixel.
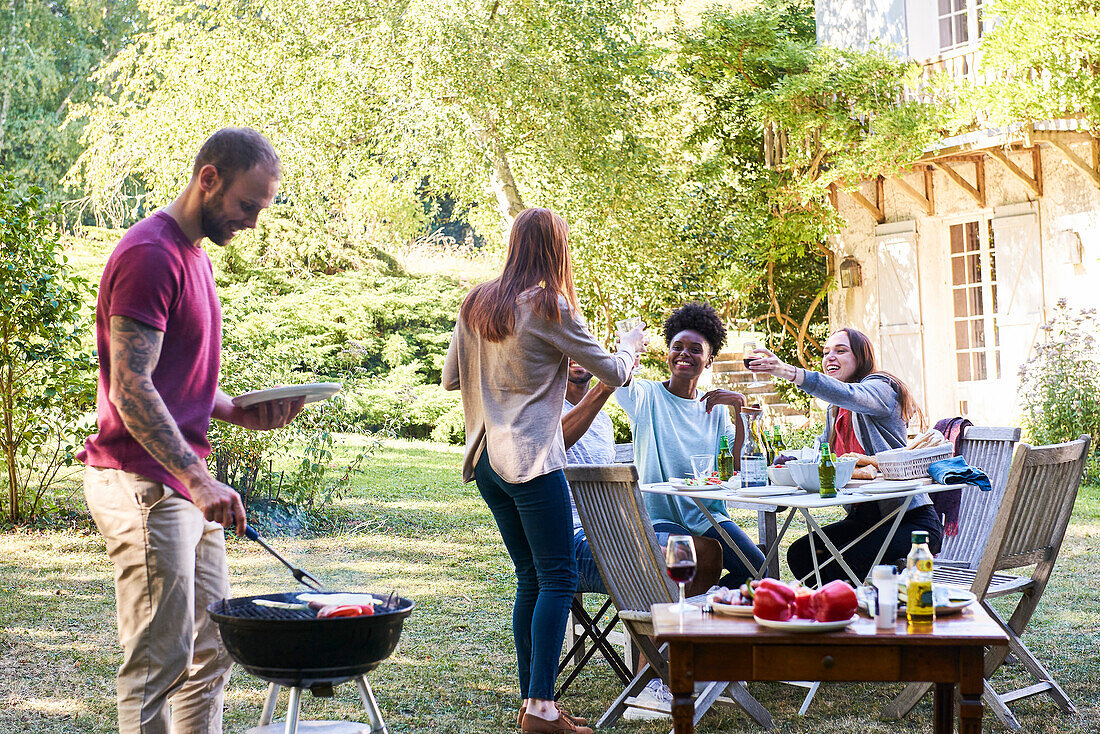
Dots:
pixel 956 471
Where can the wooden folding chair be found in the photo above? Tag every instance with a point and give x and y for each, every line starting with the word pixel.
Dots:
pixel 633 570
pixel 989 449
pixel 1028 531
pixel 597 630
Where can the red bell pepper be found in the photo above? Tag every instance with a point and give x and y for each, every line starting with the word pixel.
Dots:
pixel 345 610
pixel 773 600
pixel 803 603
pixel 779 587
pixel 834 601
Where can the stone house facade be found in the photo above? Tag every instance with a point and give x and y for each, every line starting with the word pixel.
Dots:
pixel 960 258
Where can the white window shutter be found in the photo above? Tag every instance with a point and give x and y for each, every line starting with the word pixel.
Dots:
pixel 901 349
pixel 1019 289
pixel 924 34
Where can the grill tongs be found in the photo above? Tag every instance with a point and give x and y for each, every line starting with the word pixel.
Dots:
pixel 301 576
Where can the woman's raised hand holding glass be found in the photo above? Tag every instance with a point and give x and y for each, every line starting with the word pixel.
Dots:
pixel 635 339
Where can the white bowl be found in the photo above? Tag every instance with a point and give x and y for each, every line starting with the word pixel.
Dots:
pixel 805 473
pixel 780 476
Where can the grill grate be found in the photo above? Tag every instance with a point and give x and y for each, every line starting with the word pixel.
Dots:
pixel 244 608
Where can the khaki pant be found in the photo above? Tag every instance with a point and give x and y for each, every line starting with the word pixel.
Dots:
pixel 169 565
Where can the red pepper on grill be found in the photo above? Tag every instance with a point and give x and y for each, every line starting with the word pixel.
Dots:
pixel 345 610
pixel 773 600
pixel 834 601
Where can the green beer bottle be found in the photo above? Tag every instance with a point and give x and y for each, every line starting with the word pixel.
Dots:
pixel 826 473
pixel 725 459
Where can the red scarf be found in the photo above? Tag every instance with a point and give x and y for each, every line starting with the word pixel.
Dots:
pixel 844 434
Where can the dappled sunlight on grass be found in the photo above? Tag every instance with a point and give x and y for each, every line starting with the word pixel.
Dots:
pixel 410 524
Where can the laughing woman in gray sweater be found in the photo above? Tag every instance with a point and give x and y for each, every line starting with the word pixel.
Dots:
pixel 510 357
pixel 868 412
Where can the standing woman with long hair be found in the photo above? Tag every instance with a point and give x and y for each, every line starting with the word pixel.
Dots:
pixel 510 357
pixel 869 411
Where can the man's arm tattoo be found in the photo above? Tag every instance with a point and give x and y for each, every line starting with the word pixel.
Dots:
pixel 135 351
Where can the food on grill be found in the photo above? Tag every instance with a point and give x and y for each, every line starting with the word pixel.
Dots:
pixel 292 647
pixel 345 610
pixel 929 438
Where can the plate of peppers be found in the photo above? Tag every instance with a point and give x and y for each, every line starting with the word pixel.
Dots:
pixel 777 605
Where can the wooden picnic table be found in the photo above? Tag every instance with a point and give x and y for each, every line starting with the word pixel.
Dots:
pixel 708 647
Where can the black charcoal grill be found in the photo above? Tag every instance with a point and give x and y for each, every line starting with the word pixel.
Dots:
pixel 292 648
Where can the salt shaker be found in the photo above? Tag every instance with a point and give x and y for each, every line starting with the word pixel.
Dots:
pixel 886 589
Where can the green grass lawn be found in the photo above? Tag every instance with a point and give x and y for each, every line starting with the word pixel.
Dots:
pixel 412 525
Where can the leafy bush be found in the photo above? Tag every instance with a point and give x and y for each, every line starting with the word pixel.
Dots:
pixel 47 379
pixel 1060 383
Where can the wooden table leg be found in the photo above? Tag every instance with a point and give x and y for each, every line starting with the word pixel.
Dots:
pixel 682 683
pixel 970 688
pixel 943 708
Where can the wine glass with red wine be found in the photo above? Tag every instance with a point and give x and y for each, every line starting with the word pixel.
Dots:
pixel 680 564
pixel 747 350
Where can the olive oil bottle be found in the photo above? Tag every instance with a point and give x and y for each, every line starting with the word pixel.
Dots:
pixel 919 607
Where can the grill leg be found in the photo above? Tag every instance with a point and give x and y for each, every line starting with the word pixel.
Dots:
pixel 365 693
pixel 292 711
pixel 269 704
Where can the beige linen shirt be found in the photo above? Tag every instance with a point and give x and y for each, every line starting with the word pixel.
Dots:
pixel 512 390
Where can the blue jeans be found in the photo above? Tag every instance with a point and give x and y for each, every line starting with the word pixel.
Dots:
pixel 737 573
pixel 537 527
pixel 590 579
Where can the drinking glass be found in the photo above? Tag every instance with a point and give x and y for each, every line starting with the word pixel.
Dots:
pixel 627 324
pixel 680 565
pixel 746 352
pixel 702 466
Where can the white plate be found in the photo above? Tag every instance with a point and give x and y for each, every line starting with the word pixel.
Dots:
pixel 682 485
pixel 805 625
pixel 732 610
pixel 768 491
pixel 882 486
pixel 312 392
pixel 958 600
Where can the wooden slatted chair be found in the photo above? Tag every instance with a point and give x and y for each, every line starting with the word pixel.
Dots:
pixel 598 630
pixel 633 570
pixel 1028 531
pixel 989 449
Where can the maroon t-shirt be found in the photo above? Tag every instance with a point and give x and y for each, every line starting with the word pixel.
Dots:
pixel 156 276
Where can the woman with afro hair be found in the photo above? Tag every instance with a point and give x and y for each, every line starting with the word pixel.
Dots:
pixel 673 419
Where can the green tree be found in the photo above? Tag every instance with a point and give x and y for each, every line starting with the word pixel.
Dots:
pixel 782 120
pixel 47 380
pixel 498 105
pixel 1040 59
pixel 47 51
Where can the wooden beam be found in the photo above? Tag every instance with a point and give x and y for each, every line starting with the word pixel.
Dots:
pixel 863 202
pixel 976 192
pixel 1093 172
pixel 877 210
pixel 925 199
pixel 1029 181
pixel 833 198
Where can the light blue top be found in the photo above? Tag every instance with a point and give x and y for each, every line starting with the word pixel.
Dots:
pixel 667 431
pixel 595 446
